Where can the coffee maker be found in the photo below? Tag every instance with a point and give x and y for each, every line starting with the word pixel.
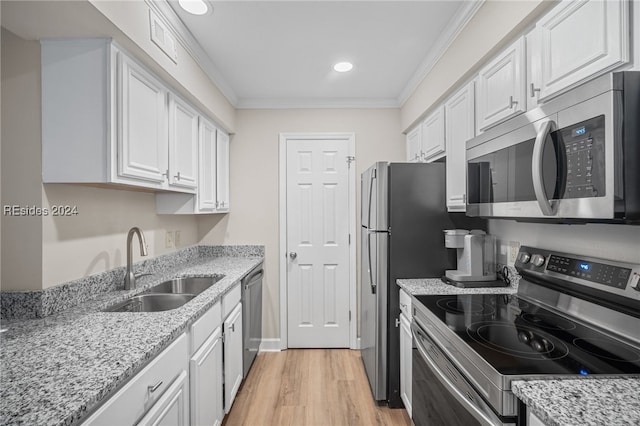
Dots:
pixel 476 256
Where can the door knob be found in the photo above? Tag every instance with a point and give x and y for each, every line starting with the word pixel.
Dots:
pixel 293 255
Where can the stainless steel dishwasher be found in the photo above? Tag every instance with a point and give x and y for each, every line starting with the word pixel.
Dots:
pixel 251 316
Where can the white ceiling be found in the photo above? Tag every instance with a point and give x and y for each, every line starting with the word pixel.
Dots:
pixel 270 54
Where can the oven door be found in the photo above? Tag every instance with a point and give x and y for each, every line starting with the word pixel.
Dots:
pixel 441 395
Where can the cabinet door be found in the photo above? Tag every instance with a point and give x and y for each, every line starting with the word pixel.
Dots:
pixel 232 356
pixel 171 408
pixel 414 145
pixel 207 176
pixel 222 170
pixel 459 115
pixel 433 142
pixel 183 144
pixel 142 124
pixel 406 345
pixel 206 383
pixel 501 87
pixel 578 40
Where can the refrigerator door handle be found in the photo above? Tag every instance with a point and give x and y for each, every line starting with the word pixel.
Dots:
pixel 373 177
pixel 373 285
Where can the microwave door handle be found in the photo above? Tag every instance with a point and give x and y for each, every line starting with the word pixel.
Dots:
pixel 536 169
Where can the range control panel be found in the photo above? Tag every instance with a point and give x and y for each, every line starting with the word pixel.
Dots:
pixel 606 275
pixel 601 273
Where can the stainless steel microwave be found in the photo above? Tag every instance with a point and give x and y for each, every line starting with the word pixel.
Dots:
pixel 575 158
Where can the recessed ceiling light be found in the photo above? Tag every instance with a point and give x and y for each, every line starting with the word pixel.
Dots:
pixel 195 7
pixel 343 66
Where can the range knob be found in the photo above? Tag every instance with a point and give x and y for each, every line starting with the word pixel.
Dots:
pixel 524 257
pixel 537 259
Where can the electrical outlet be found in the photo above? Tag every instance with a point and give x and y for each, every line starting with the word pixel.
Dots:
pixel 514 247
pixel 168 239
pixel 176 239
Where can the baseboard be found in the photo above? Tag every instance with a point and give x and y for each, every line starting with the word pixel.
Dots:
pixel 270 345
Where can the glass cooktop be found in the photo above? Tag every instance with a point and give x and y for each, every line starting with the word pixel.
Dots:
pixel 521 338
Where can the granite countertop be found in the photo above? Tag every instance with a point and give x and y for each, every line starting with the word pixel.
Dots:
pixel 586 402
pixel 57 369
pixel 426 286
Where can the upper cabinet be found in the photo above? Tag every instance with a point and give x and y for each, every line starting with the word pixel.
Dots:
pixel 222 169
pixel 460 125
pixel 501 87
pixel 107 119
pixel 433 142
pixel 576 41
pixel 142 124
pixel 426 141
pixel 414 145
pixel 183 144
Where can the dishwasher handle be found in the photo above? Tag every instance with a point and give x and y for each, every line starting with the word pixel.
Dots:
pixel 255 278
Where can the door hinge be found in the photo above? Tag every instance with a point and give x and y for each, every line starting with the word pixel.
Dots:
pixel 397 322
pixel 350 159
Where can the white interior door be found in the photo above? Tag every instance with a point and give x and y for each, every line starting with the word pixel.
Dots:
pixel 317 236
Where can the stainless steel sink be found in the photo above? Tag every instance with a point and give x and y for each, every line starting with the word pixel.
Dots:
pixel 151 303
pixel 188 285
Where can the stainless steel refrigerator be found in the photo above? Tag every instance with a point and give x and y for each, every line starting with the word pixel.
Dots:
pixel 403 215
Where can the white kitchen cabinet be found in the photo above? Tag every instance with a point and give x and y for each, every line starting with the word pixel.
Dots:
pixel 206 381
pixel 232 355
pixel 501 87
pixel 533 420
pixel 459 128
pixel 222 170
pixel 145 392
pixel 171 408
pixel 207 169
pixel 142 130
pixel 433 135
pixel 183 143
pixel 414 145
pixel 576 41
pixel 212 194
pixel 406 347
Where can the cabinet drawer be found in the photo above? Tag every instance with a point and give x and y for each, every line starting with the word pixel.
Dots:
pixel 205 325
pixel 131 402
pixel 230 300
pixel 405 304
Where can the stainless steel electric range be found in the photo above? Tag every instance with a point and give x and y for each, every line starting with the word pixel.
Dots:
pixel 572 316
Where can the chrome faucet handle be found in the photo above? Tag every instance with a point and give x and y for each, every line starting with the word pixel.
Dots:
pixel 142 274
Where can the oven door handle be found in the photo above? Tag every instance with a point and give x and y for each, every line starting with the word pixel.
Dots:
pixel 482 417
pixel 548 209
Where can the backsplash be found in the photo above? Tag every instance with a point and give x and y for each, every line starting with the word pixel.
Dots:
pixel 39 304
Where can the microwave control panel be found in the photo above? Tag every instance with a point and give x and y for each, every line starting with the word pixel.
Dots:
pixel 583 145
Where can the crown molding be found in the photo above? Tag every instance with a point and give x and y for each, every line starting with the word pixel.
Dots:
pixel 461 18
pixel 169 17
pixel 328 103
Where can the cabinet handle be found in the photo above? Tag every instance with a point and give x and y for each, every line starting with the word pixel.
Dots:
pixel 166 174
pixel 512 103
pixel 153 388
pixel 533 90
pixel 233 327
pixel 217 204
pixel 177 176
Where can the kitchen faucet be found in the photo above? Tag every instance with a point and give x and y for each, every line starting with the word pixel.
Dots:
pixel 130 278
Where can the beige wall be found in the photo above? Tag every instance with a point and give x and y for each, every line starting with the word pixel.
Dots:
pixel 39 252
pixel 254 178
pixel 494 25
pixel 21 163
pixel 617 242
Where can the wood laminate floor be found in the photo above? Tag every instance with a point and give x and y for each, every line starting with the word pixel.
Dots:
pixel 309 387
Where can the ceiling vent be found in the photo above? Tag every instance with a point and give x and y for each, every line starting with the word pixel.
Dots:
pixel 162 37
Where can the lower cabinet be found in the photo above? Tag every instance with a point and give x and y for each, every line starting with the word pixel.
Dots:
pixel 206 382
pixel 232 356
pixel 406 344
pixel 156 394
pixel 171 408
